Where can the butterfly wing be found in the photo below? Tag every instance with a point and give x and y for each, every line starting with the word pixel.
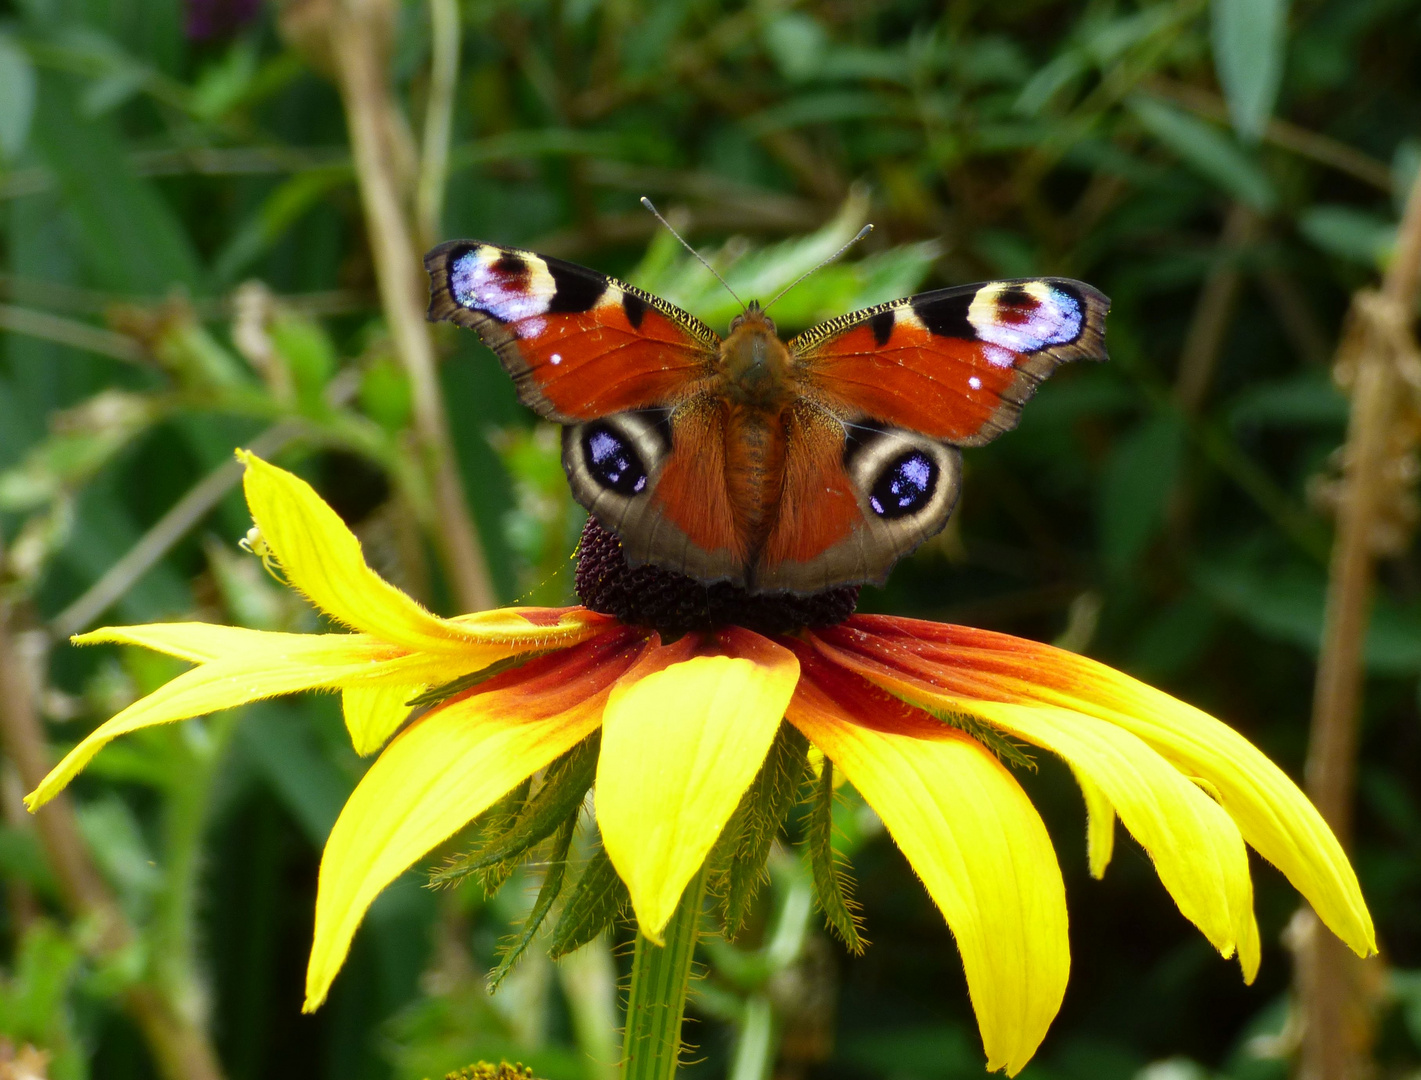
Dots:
pixel 890 393
pixel 579 345
pixel 625 372
pixel 668 508
pixel 955 364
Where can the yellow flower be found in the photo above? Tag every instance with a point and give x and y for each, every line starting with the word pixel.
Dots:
pixel 685 727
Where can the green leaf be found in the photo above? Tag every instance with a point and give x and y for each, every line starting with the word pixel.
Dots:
pixel 1309 399
pixel 223 84
pixel 17 98
pixel 23 860
pixel 132 241
pixel 34 1000
pixel 832 887
pixel 280 741
pixel 1207 150
pixel 797 43
pixel 1349 233
pixel 308 353
pixel 385 394
pixel 1139 480
pixel 1287 603
pixel 598 897
pixel 278 213
pixel 547 896
pixel 509 839
pixel 758 273
pixel 86 438
pixel 1405 164
pixel 1050 79
pixel 1250 37
pixel 738 862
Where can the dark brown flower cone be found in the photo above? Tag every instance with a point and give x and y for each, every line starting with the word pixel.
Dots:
pixel 675 604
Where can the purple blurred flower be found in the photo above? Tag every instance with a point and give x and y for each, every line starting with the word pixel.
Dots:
pixel 208 20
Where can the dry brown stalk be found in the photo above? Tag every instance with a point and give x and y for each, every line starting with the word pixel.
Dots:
pixel 179 1047
pixel 1378 359
pixel 358 38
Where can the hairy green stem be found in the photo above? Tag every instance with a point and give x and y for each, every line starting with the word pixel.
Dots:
pixel 657 1004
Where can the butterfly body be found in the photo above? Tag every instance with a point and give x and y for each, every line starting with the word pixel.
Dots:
pixel 779 466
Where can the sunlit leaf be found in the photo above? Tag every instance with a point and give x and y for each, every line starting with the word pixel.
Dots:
pixel 17 97
pixel 1349 233
pixel 1207 150
pixel 1249 38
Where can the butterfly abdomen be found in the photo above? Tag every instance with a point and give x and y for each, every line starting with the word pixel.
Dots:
pixel 754 469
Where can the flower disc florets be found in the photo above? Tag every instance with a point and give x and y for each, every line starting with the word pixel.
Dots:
pixel 674 604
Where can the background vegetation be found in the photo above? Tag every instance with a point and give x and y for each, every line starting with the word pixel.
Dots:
pixel 188 266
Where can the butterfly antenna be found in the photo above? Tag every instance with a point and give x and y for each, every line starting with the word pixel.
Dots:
pixel 699 258
pixel 814 270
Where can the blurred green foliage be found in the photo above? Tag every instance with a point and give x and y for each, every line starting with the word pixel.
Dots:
pixel 185 267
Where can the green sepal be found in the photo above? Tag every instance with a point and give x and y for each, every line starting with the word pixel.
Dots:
pixel 739 857
pixel 832 886
pixel 598 897
pixel 505 843
pixel 426 700
pixel 991 737
pixel 547 896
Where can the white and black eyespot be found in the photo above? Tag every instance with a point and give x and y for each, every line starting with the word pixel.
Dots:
pixel 1027 316
pixel 615 459
pixel 903 478
pixel 509 286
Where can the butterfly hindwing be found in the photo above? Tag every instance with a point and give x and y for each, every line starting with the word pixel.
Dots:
pixel 672 509
pixel 955 364
pixel 872 497
pixel 579 345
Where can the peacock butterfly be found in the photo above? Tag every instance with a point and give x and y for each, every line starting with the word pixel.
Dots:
pixel 778 466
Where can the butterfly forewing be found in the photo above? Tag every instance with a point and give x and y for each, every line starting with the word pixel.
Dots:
pixel 579 345
pixel 955 364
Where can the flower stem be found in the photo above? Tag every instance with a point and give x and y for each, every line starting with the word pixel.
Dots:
pixel 660 977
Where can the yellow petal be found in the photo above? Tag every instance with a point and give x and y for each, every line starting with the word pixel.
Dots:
pixel 220 684
pixel 1275 818
pixel 973 837
pixel 254 664
pixel 200 642
pixel 1196 847
pixel 352 657
pixel 322 558
pixel 682 738
pixel 372 713
pixel 196 641
pixel 445 769
pixel 1100 825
